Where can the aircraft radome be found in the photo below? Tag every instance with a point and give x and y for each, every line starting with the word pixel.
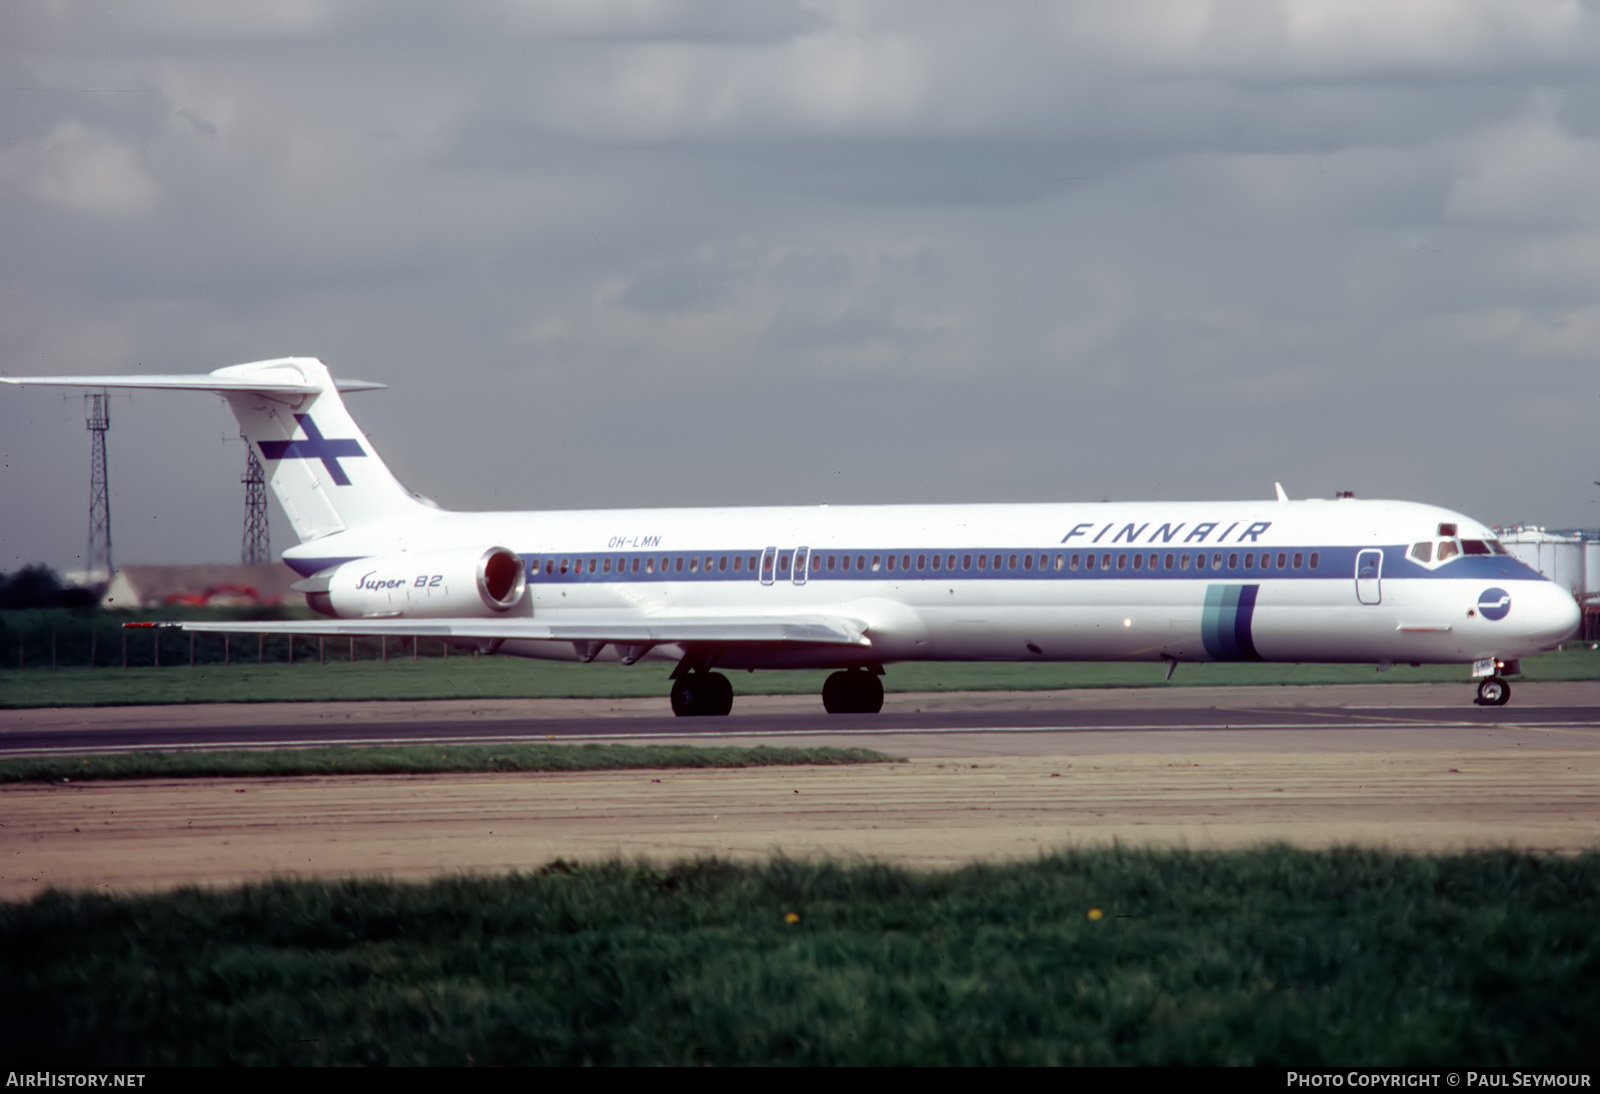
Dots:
pixel 857 588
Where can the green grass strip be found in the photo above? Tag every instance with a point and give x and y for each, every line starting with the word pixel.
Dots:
pixel 514 678
pixel 1275 957
pixel 413 760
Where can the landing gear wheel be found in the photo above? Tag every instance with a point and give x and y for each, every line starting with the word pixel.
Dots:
pixel 852 693
pixel 702 694
pixel 1494 692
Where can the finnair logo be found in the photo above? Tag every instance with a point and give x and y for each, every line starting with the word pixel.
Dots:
pixel 315 447
pixel 1494 603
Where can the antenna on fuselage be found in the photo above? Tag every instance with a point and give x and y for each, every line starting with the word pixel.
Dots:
pixel 1278 486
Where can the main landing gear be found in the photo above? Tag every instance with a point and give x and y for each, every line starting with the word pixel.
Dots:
pixel 1493 691
pixel 856 691
pixel 701 694
pixel 698 692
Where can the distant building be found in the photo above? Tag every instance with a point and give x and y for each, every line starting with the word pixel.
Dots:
pixel 231 585
pixel 1570 558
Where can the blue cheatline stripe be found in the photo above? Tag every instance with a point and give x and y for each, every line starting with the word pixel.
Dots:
pixel 1225 622
pixel 1225 562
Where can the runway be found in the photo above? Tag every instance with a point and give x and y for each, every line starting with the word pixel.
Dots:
pixel 1413 767
pixel 922 724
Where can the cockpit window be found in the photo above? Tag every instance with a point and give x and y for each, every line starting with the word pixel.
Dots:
pixel 1496 547
pixel 1422 552
pixel 1448 548
pixel 1474 547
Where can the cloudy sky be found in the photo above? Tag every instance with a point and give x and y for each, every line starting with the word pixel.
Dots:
pixel 620 252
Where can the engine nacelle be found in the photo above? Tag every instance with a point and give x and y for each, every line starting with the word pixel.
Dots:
pixel 464 583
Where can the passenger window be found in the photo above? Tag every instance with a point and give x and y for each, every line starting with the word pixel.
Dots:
pixel 1061 562
pixel 563 565
pixel 1233 561
pixel 1250 561
pixel 694 565
pixel 738 563
pixel 905 562
pixel 1199 562
pixel 1013 565
pixel 966 562
pixel 1216 562
pixel 983 562
pixel 677 564
pixel 1183 561
pixel 950 562
pixel 830 562
pixel 1314 560
pixel 1027 562
pixel 722 563
pixel 1122 562
pixel 935 562
pixel 861 562
pixel 1089 562
pixel 816 563
pixel 752 563
pixel 875 563
pixel 1074 562
pixel 635 565
pixel 891 562
pixel 607 566
pixel 1169 562
pixel 1283 560
pixel 783 564
pixel 1298 559
pixel 1155 561
pixel 1138 562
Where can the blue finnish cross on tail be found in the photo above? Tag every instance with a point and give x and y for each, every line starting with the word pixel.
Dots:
pixel 315 447
pixel 1225 624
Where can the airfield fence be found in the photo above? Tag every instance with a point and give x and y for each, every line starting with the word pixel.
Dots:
pixel 48 639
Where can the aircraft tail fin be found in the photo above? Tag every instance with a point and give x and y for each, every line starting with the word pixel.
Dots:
pixel 321 467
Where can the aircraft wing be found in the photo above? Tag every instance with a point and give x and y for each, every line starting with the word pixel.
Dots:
pixel 628 630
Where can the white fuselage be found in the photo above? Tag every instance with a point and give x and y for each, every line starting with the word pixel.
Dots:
pixel 1186 581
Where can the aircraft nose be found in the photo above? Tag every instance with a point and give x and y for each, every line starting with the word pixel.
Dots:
pixel 1556 617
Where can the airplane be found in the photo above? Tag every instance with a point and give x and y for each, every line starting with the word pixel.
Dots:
pixel 855 589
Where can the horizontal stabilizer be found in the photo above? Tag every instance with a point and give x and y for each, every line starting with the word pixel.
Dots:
pixel 199 381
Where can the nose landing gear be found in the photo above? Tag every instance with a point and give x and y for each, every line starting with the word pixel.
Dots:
pixel 1493 691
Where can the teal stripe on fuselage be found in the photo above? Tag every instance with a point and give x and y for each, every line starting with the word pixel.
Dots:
pixel 1225 622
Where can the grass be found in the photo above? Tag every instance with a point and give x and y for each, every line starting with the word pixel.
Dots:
pixel 1277 957
pixel 413 760
pixel 508 678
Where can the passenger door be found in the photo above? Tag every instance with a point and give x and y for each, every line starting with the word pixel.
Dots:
pixel 1369 576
